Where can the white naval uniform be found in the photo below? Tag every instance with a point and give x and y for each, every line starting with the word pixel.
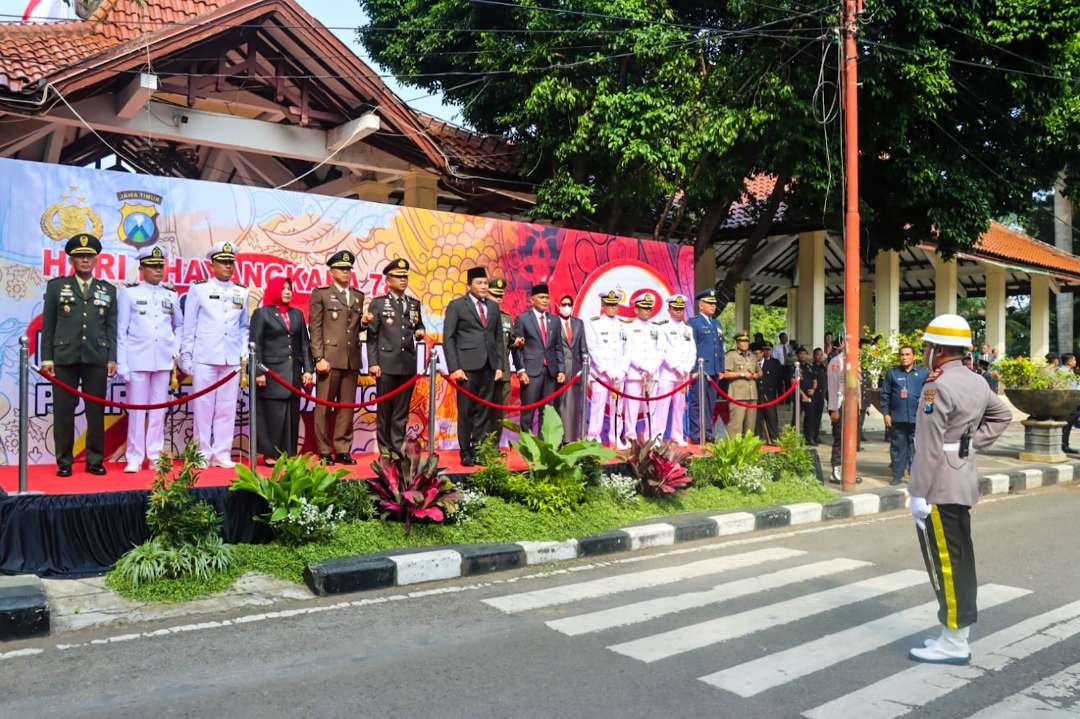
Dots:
pixel 643 359
pixel 605 337
pixel 148 324
pixel 214 341
pixel 679 357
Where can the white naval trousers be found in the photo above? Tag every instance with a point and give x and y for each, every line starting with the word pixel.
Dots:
pixel 215 413
pixel 601 399
pixel 632 407
pixel 146 428
pixel 674 407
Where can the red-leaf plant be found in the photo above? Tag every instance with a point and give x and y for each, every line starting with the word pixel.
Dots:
pixel 670 476
pixel 659 466
pixel 412 488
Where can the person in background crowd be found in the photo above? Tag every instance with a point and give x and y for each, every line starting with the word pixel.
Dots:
pixel 771 383
pixel 214 344
pixel 1068 366
pixel 606 340
pixel 642 361
pixel 781 351
pixel 679 359
pixel 496 292
pixel 900 391
pixel 989 375
pixel 472 339
pixel 709 340
pixel 78 346
pixel 539 360
pixel 741 369
pixel 149 324
pixel 984 354
pixel 337 318
pixel 575 353
pixel 808 386
pixel 835 383
pixel 830 347
pixel 395 328
pixel 968 362
pixel 1052 360
pixel 758 340
pixel 281 343
pixel 819 364
pixel 864 396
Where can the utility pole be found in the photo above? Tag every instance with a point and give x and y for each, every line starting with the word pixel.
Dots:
pixel 852 263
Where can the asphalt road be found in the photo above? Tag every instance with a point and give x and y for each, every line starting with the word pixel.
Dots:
pixel 813 622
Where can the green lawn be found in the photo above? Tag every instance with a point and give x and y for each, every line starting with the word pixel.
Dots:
pixel 498 521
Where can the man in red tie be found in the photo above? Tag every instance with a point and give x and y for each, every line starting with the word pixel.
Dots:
pixel 540 359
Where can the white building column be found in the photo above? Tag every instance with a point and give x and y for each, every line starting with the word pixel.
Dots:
pixel 887 292
pixel 742 306
pixel 995 308
pixel 811 300
pixel 945 285
pixel 866 306
pixel 1063 240
pixel 705 272
pixel 791 325
pixel 421 190
pixel 1040 315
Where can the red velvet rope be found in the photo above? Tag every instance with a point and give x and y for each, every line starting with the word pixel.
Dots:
pixel 340 405
pixel 763 405
pixel 125 405
pixel 510 407
pixel 672 393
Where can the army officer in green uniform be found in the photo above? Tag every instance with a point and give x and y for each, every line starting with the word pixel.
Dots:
pixel 78 347
pixel 742 372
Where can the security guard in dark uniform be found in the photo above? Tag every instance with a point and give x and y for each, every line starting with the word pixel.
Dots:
pixel 709 339
pixel 394 327
pixel 959 416
pixel 497 291
pixel 78 346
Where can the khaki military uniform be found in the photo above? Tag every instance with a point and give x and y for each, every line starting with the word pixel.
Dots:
pixel 742 419
pixel 335 323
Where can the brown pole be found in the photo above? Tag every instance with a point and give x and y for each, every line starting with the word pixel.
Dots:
pixel 852 265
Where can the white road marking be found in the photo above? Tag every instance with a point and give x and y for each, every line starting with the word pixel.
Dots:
pixel 1056 697
pixel 652 608
pixel 754 677
pixel 902 693
pixel 568 593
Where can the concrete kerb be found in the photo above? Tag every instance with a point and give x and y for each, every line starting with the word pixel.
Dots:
pixel 24 608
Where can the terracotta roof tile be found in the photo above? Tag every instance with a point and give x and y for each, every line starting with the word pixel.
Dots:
pixel 471 149
pixel 1000 242
pixel 744 211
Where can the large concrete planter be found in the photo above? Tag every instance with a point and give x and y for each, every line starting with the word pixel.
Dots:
pixel 1049 411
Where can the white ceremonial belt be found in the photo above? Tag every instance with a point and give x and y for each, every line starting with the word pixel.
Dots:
pixel 951 446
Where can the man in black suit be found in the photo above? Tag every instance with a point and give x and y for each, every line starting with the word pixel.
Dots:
pixel 574 352
pixel 771 384
pixel 540 359
pixel 472 339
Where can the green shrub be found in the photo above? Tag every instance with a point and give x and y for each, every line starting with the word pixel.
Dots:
pixel 548 459
pixel 155 559
pixel 553 493
pixel 1024 373
pixel 493 476
pixel 792 457
pixel 593 469
pixel 354 498
pixel 727 459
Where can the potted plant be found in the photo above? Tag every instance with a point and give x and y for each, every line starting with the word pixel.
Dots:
pixel 1048 395
pixel 883 354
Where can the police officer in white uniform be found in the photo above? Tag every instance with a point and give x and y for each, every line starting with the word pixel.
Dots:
pixel 147 344
pixel 605 337
pixel 679 357
pixel 214 342
pixel 643 360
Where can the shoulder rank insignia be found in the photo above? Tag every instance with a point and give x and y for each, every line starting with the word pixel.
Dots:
pixel 594 319
pixel 928 397
pixel 660 322
pixel 131 284
pixel 199 282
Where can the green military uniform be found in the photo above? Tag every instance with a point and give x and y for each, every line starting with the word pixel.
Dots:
pixel 742 419
pixel 79 337
pixel 497 288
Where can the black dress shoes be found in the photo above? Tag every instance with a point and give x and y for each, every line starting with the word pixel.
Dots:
pixel 327 458
pixel 63 471
pixel 468 460
pixel 345 458
pixel 96 469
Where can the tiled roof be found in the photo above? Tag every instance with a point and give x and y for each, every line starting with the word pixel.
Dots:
pixel 475 150
pixel 1002 243
pixel 744 211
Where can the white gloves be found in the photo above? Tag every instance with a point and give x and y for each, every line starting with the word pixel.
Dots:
pixel 920 510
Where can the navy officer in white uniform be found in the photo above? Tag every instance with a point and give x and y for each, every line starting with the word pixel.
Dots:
pixel 214 342
pixel 147 344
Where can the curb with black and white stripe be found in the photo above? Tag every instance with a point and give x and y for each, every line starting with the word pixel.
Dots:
pixel 390 569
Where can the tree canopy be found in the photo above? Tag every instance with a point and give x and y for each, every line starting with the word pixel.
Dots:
pixel 647 115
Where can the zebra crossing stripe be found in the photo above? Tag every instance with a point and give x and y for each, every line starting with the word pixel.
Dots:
pixel 652 608
pixel 753 677
pixel 696 636
pixel 566 594
pixel 1055 697
pixel 904 692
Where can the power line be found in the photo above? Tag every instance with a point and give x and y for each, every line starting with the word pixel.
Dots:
pixel 971 63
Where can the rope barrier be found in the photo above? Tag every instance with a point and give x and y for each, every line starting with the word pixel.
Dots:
pixel 672 393
pixel 508 407
pixel 130 406
pixel 340 405
pixel 748 405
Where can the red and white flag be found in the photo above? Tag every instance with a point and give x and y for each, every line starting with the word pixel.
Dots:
pixel 45 11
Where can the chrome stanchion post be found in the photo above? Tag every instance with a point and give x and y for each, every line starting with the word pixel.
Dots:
pixel 581 419
pixel 797 398
pixel 253 371
pixel 701 400
pixel 431 404
pixel 24 412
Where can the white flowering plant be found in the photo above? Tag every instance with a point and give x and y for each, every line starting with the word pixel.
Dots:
pixel 471 502
pixel 622 488
pixel 309 524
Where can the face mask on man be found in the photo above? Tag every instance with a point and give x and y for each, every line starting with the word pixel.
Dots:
pixel 565 310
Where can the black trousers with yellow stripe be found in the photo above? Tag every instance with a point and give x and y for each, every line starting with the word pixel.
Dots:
pixel 950 562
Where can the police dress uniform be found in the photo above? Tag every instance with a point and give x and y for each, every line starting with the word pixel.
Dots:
pixel 149 327
pixel 497 290
pixel 213 345
pixel 606 339
pixel 78 336
pixel 959 416
pixel 391 346
pixel 679 359
pixel 335 319
pixel 643 360
pixel 742 419
pixel 709 341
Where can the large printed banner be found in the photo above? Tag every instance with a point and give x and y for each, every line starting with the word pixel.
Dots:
pixel 284 233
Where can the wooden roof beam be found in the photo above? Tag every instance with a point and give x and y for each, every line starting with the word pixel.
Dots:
pixel 352 131
pixel 135 95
